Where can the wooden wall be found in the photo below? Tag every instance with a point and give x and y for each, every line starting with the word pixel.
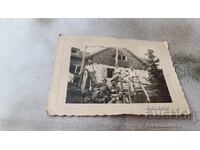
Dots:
pixel 106 57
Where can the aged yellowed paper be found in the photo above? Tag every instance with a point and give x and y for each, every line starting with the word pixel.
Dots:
pixel 110 76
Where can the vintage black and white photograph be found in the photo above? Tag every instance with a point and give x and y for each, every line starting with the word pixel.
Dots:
pixel 115 75
pixel 112 76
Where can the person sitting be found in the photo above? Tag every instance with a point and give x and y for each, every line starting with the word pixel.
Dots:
pixel 101 96
pixel 103 83
pixel 122 98
pixel 114 90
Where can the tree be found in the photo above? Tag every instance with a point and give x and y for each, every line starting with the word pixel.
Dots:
pixel 156 78
pixel 153 69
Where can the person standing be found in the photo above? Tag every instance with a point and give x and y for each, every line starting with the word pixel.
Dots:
pixel 90 75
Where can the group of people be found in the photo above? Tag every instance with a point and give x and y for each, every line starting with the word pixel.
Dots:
pixel 103 93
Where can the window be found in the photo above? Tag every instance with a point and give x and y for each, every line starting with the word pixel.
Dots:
pixel 77 69
pixel 126 58
pixel 120 57
pixel 74 68
pixel 110 72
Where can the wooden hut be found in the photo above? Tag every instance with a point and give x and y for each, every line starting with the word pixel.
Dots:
pixel 105 61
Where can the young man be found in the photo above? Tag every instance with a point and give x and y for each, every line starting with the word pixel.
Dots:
pixel 101 96
pixel 89 74
pixel 122 98
pixel 114 91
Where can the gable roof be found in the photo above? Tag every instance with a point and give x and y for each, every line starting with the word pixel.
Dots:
pixel 141 60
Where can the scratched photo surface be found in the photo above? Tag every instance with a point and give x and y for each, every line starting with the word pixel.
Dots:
pixel 115 75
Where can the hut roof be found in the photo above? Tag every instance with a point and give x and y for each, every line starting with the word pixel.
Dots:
pixel 141 60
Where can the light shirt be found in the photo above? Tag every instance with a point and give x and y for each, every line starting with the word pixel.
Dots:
pixel 90 68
